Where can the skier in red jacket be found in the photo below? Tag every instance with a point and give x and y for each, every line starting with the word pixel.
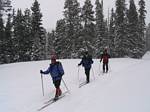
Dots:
pixel 105 57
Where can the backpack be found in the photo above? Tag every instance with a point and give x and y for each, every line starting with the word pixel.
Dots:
pixel 105 58
pixel 60 68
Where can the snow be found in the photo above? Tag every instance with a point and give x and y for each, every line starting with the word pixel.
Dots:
pixel 124 89
pixel 147 55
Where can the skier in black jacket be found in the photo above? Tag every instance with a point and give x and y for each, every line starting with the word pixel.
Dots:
pixel 86 62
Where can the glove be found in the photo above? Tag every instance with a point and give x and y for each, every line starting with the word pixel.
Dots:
pixel 41 71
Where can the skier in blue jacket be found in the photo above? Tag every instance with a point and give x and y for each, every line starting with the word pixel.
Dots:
pixel 86 62
pixel 56 71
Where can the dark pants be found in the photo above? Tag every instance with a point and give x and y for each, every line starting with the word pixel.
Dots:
pixel 57 83
pixel 57 86
pixel 87 73
pixel 105 67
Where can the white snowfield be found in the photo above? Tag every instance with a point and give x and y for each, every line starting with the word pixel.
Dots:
pixel 125 88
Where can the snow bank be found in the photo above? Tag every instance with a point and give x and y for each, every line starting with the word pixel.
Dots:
pixel 147 55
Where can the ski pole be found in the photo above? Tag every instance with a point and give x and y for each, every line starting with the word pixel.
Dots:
pixel 78 75
pixel 109 67
pixel 65 85
pixel 100 68
pixel 93 73
pixel 42 84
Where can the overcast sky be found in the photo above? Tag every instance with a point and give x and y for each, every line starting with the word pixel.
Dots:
pixel 52 10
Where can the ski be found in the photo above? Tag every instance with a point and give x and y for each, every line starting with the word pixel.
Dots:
pixel 53 98
pixel 82 84
pixel 46 105
pixel 51 101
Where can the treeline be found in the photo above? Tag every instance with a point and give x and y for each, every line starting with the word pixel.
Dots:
pixel 85 28
pixel 23 38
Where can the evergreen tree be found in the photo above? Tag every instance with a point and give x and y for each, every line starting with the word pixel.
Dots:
pixel 14 38
pixel 73 26
pixel 8 41
pixel 100 29
pixel 87 16
pixel 50 43
pixel 148 37
pixel 87 13
pixel 112 33
pixel 22 40
pixel 5 7
pixel 1 33
pixel 120 29
pixel 1 39
pixel 133 36
pixel 142 16
pixel 59 41
pixel 142 26
pixel 19 36
pixel 1 27
pixel 8 27
pixel 39 38
pixel 27 34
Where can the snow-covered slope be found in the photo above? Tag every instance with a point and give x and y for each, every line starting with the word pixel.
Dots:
pixel 124 89
pixel 147 55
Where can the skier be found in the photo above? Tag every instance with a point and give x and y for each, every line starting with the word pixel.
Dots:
pixel 56 71
pixel 86 62
pixel 105 57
